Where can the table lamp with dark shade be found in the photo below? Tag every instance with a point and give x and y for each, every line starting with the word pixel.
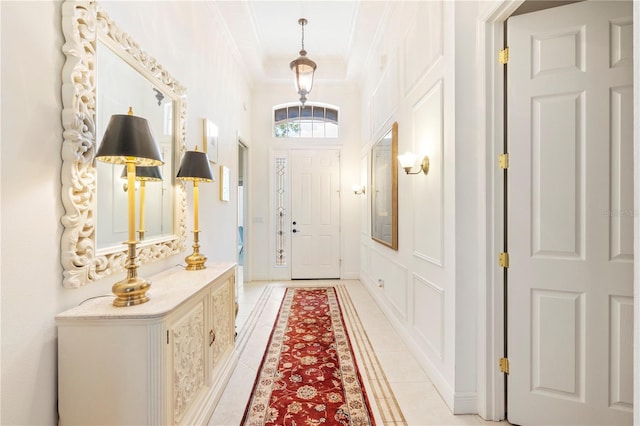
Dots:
pixel 195 167
pixel 128 140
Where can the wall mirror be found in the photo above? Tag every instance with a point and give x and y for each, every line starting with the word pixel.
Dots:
pixel 384 189
pixel 105 73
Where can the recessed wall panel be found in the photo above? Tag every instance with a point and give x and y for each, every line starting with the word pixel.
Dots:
pixel 426 37
pixel 385 97
pixel 428 190
pixel 621 211
pixel 364 258
pixel 557 344
pixel 557 169
pixel 428 308
pixel 364 199
pixel 558 52
pixel 621 356
pixel 394 278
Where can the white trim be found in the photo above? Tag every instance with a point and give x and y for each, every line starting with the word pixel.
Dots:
pixel 491 399
pixel 636 201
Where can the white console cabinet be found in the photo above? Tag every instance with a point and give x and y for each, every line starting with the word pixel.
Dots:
pixel 160 363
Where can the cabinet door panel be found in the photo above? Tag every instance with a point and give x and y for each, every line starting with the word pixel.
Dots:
pixel 188 355
pixel 223 319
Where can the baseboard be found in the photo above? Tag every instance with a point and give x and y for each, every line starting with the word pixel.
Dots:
pixel 260 277
pixel 465 403
pixel 439 382
pixel 350 276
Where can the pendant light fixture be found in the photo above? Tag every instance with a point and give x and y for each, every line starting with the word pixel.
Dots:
pixel 304 68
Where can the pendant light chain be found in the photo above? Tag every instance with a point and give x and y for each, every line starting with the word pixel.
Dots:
pixel 304 68
pixel 302 23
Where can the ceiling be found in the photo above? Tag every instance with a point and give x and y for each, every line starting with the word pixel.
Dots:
pixel 339 36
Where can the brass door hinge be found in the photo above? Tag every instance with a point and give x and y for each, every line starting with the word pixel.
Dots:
pixel 503 161
pixel 503 259
pixel 504 365
pixel 503 56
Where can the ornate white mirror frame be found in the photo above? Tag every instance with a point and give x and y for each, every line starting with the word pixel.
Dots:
pixel 83 23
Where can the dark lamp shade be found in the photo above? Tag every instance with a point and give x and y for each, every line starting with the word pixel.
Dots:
pixel 129 138
pixel 149 174
pixel 195 166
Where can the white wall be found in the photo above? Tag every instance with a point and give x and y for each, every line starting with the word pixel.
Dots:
pixel 261 244
pixel 422 75
pixel 184 37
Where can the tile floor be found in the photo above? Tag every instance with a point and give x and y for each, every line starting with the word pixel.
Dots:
pixel 414 397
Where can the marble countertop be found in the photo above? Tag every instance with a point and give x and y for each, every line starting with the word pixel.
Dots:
pixel 169 289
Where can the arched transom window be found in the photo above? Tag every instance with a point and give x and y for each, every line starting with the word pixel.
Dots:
pixel 308 121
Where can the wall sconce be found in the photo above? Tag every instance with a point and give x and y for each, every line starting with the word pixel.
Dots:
pixel 359 189
pixel 128 140
pixel 143 175
pixel 408 160
pixel 195 167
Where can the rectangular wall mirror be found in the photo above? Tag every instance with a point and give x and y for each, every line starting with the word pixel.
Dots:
pixel 105 73
pixel 384 189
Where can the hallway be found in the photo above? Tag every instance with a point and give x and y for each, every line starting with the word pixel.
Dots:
pixel 399 390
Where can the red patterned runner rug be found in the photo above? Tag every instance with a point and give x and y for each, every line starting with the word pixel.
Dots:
pixel 308 374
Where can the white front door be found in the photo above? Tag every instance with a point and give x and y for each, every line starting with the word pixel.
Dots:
pixel 315 213
pixel 570 220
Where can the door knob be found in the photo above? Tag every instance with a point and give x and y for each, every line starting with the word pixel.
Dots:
pixel 294 231
pixel 294 222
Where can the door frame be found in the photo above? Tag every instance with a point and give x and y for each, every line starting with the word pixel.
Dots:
pixel 284 273
pixel 340 207
pixel 491 332
pixel 243 148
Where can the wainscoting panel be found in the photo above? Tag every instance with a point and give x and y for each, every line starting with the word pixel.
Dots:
pixel 364 198
pixel 365 267
pixel 429 195
pixel 393 278
pixel 425 37
pixel 384 100
pixel 428 308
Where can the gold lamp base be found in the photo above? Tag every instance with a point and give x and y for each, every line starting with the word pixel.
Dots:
pixel 195 261
pixel 131 291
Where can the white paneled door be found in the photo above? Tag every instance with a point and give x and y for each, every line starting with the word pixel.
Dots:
pixel 315 213
pixel 570 220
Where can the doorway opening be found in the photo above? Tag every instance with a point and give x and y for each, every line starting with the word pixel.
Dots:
pixel 558 242
pixel 243 210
